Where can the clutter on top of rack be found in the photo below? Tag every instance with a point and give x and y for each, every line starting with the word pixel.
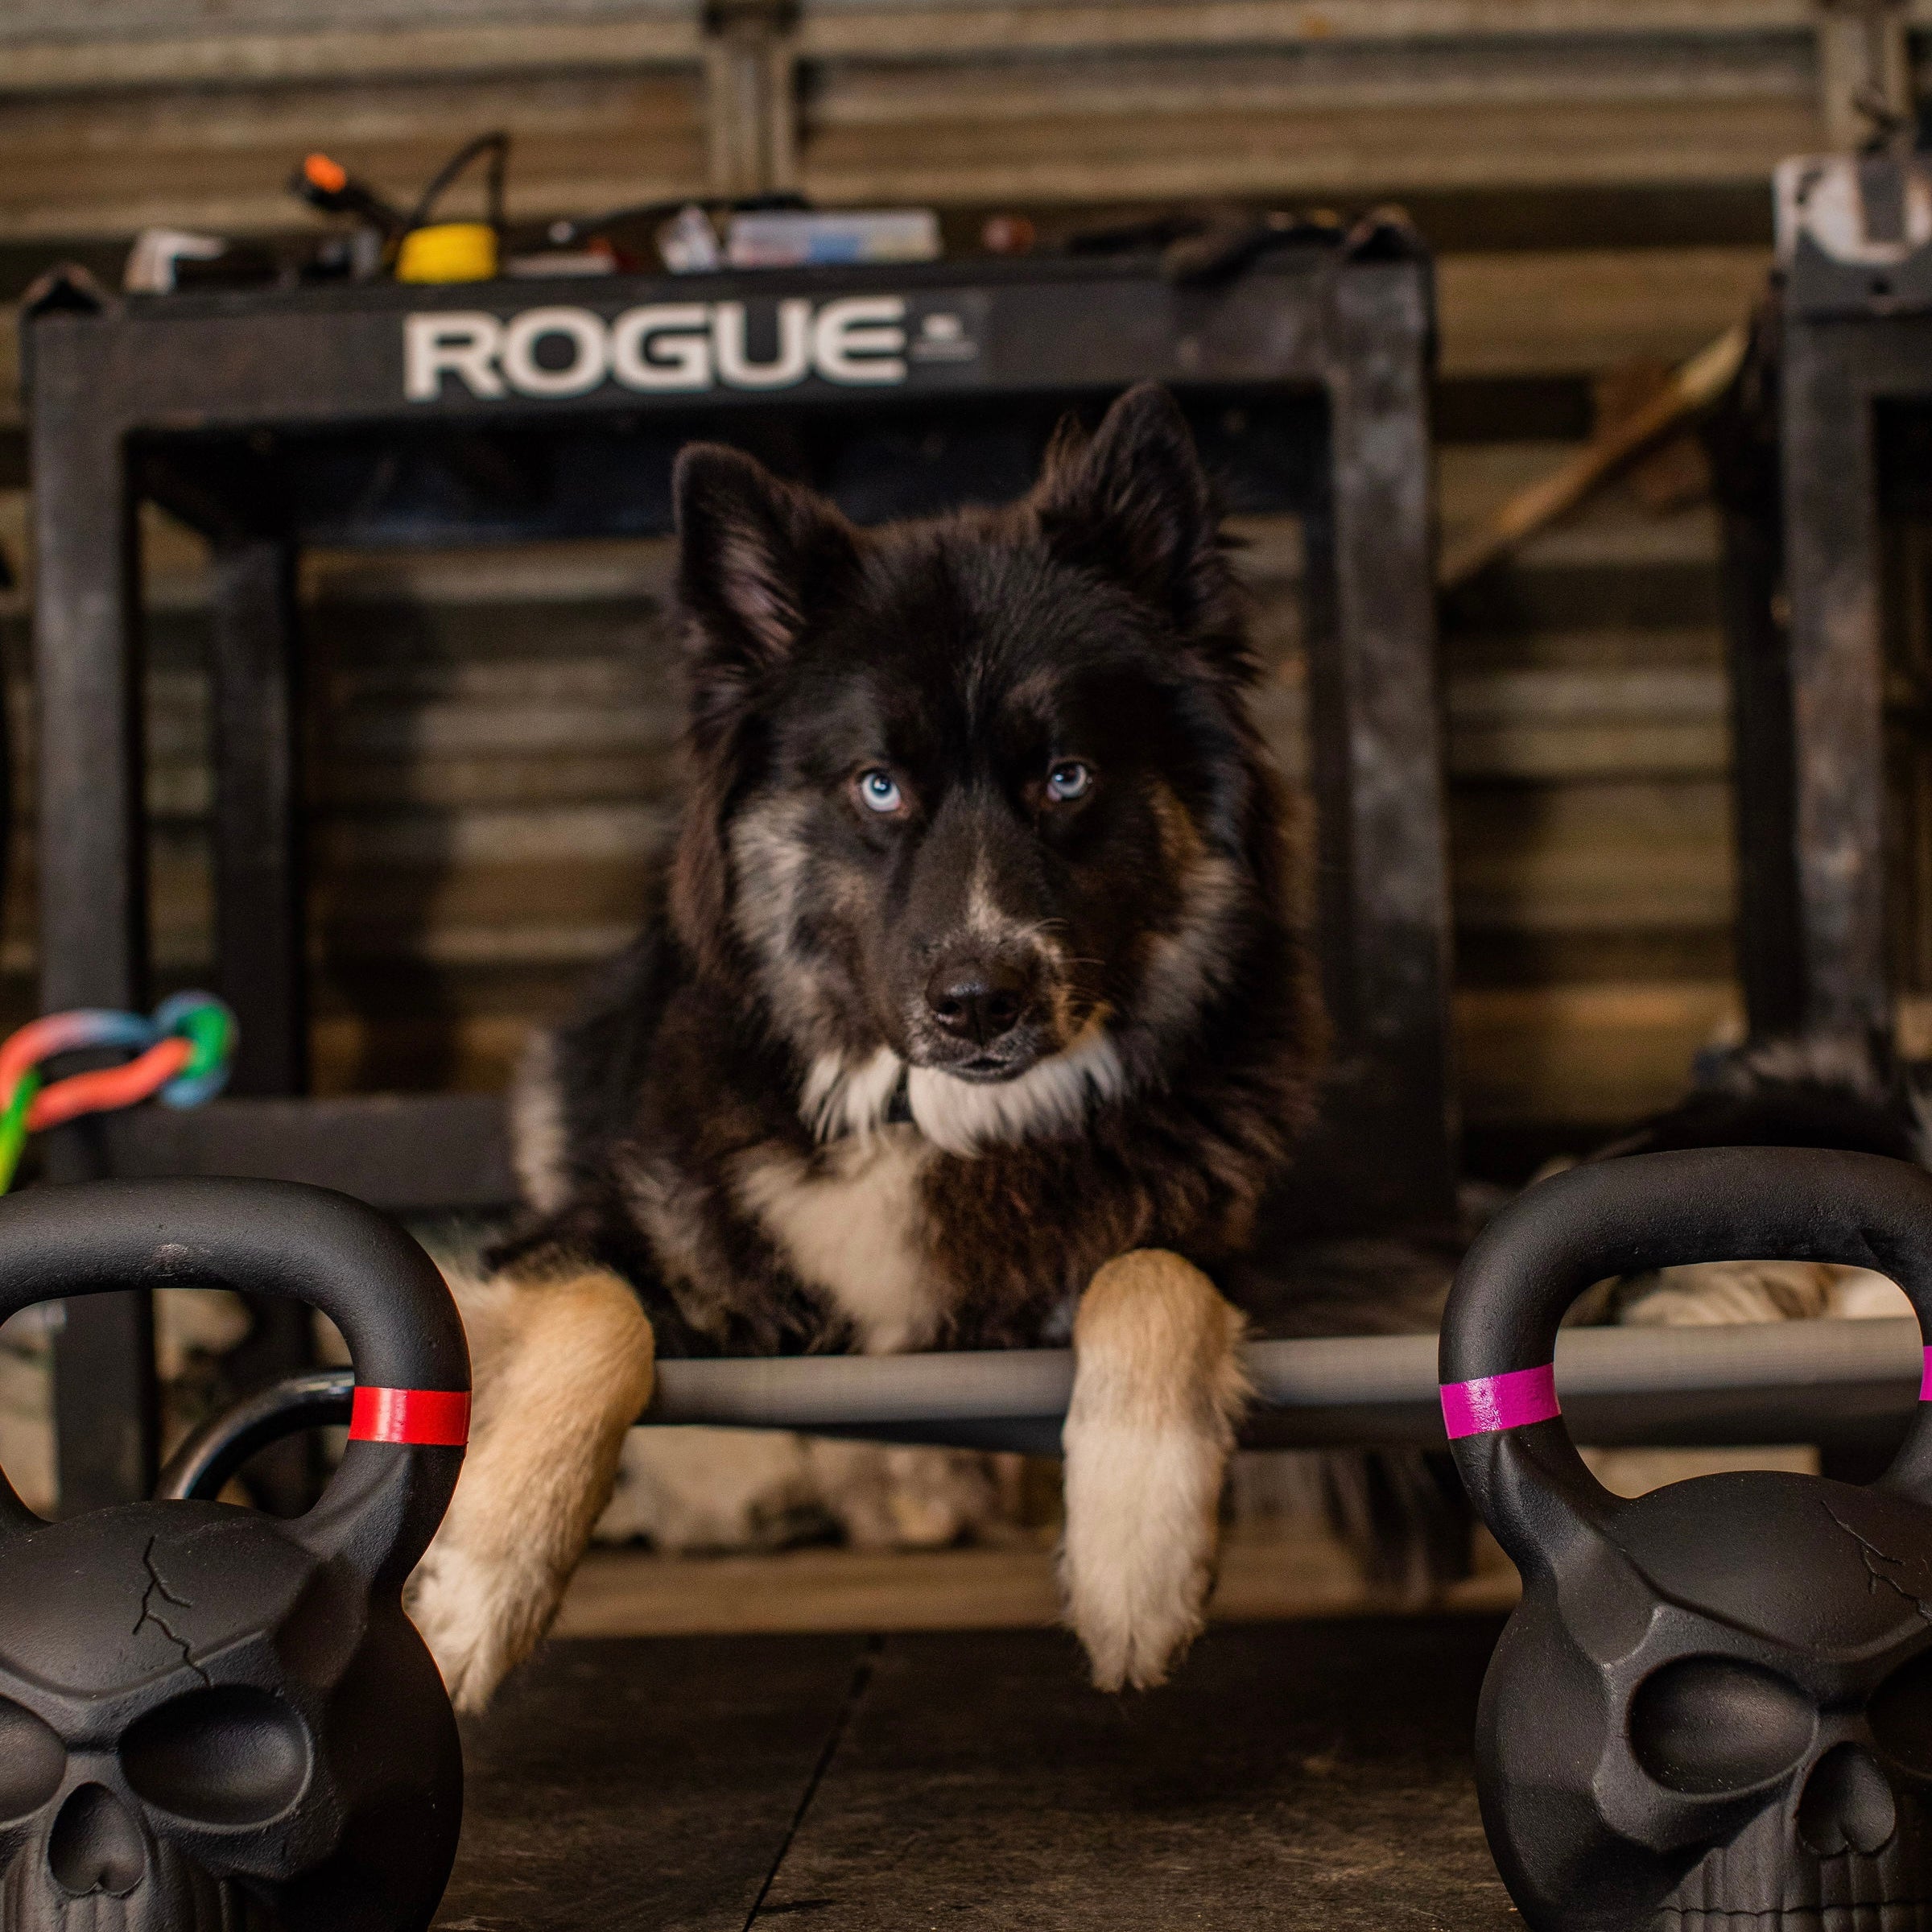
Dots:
pixel 379 239
pixel 376 237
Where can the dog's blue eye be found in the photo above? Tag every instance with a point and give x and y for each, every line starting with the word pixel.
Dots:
pixel 880 791
pixel 1068 780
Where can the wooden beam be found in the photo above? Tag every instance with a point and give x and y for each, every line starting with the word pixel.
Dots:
pixel 1577 312
pixel 106 164
pixel 1693 388
pixel 872 137
pixel 913 31
pixel 171 45
pixel 401 52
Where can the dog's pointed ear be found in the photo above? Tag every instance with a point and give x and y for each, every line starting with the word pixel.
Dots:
pixel 1133 503
pixel 754 555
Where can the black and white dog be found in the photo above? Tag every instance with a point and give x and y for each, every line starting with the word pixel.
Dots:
pixel 968 1012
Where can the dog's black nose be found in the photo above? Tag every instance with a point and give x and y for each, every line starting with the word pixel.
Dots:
pixel 979 999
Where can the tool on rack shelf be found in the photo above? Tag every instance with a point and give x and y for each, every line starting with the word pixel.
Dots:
pixel 414 247
pixel 326 186
pixel 456 251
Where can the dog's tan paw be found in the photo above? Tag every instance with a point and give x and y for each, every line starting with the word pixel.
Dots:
pixel 562 1367
pixel 480 1620
pixel 1138 1562
pixel 1158 1384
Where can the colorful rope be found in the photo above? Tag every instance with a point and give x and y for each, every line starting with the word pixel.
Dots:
pixel 182 1057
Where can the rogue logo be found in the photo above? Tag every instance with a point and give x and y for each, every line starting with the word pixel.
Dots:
pixel 664 347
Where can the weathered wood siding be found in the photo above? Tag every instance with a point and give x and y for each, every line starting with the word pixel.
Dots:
pixel 899 101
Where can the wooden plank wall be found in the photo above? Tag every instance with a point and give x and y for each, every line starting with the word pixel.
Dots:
pixel 493 743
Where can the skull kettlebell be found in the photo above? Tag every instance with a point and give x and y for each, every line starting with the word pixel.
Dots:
pixel 211 1720
pixel 1712 1708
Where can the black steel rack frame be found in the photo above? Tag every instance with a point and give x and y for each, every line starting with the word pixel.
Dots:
pixel 382 415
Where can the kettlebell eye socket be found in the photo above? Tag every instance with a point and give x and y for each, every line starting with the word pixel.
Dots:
pixel 228 1755
pixel 33 1761
pixel 1900 1716
pixel 1712 1727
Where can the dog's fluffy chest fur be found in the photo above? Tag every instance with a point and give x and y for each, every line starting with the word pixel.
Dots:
pixel 851 1222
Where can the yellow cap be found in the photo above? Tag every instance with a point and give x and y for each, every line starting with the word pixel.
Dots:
pixel 451 251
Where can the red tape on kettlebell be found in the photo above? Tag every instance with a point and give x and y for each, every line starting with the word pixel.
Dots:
pixel 438 1418
pixel 1490 1402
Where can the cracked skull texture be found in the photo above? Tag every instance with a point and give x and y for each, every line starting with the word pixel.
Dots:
pixel 1723 1708
pixel 210 1720
pixel 1712 1710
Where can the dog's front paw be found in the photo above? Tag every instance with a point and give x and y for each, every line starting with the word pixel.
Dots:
pixel 1158 1384
pixel 479 1620
pixel 480 1616
pixel 1137 1564
pixel 563 1366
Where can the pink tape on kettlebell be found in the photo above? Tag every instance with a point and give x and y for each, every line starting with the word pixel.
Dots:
pixel 438 1418
pixel 1925 1380
pixel 1514 1400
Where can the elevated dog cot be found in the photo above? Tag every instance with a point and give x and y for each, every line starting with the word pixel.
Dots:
pixel 1849 1386
pixel 385 415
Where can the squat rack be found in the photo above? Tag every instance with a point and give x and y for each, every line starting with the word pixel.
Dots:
pixel 381 416
pixel 1810 460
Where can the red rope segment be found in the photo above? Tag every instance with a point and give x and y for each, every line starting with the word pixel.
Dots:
pixel 111 1086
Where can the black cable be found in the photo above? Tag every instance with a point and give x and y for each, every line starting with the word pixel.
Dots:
pixel 497 146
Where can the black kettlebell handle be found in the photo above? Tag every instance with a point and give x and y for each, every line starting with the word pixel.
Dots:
pixel 277 1238
pixel 1625 1216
